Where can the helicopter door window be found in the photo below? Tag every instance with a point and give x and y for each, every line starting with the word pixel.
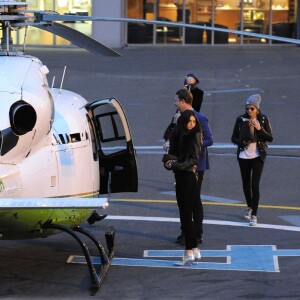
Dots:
pixel 111 132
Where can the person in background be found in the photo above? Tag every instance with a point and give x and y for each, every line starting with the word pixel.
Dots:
pixel 183 157
pixel 190 82
pixel 251 132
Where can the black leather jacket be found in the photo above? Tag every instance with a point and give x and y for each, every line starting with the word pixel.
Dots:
pixel 261 136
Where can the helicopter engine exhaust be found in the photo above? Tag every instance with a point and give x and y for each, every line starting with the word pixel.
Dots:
pixel 22 117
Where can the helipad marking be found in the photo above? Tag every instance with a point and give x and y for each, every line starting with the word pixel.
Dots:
pixel 259 258
pixel 295 220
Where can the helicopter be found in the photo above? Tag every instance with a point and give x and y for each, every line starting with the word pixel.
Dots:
pixel 58 152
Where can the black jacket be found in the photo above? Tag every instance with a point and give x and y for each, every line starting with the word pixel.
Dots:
pixel 197 98
pixel 241 134
pixel 187 147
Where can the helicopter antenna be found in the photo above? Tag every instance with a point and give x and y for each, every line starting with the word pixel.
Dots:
pixel 53 80
pixel 7 35
pixel 25 36
pixel 62 80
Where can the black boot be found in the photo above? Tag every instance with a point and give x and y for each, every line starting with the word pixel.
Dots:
pixel 95 217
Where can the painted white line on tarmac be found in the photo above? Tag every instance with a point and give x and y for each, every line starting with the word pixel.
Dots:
pixel 221 146
pixel 231 91
pixel 209 222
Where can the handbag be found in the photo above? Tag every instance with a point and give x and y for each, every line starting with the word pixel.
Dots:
pixel 166 157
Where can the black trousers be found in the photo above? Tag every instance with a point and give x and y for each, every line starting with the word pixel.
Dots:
pixel 198 214
pixel 188 204
pixel 251 170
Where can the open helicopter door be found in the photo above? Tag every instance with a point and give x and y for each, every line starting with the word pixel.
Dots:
pixel 115 147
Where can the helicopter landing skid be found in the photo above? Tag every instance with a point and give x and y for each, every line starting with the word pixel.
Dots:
pixel 97 277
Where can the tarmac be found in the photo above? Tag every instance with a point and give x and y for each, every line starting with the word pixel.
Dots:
pixel 238 261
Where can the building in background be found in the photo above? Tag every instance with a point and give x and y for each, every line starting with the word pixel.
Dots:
pixel 277 17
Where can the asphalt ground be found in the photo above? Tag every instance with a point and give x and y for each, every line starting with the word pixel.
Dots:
pixel 239 261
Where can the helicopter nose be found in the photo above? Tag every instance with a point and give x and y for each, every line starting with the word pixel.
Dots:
pixel 22 117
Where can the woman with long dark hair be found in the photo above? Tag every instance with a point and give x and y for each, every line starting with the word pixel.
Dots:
pixel 185 149
pixel 251 132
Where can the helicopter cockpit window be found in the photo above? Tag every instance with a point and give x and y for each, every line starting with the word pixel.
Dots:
pixel 62 139
pixel 75 137
pixel 8 140
pixel 68 138
pixel 56 139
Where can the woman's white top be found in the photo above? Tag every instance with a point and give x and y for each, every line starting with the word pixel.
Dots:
pixel 250 152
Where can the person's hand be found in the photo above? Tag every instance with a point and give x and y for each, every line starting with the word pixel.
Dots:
pixel 166 146
pixel 190 80
pixel 169 163
pixel 256 124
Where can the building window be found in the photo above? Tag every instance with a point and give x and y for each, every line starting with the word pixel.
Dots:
pixel 250 15
pixel 37 36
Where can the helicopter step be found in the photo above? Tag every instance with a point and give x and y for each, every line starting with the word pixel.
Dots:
pixel 97 276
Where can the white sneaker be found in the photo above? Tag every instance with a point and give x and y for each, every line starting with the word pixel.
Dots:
pixel 248 213
pixel 188 259
pixel 253 221
pixel 197 254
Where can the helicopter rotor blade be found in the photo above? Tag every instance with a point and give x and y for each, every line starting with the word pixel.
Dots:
pixel 58 17
pixel 77 38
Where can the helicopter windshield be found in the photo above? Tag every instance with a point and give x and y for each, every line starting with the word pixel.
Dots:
pixel 8 140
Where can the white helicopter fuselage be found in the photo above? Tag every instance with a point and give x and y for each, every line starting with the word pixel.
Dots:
pixel 51 146
pixel 55 158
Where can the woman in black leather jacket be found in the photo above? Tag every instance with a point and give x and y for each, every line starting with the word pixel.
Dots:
pixel 251 133
pixel 185 145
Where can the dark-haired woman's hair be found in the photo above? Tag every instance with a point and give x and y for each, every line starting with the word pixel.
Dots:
pixel 184 119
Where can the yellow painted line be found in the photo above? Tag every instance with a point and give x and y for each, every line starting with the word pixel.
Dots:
pixel 206 203
pixel 143 200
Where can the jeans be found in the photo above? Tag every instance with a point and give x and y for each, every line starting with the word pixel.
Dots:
pixel 251 170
